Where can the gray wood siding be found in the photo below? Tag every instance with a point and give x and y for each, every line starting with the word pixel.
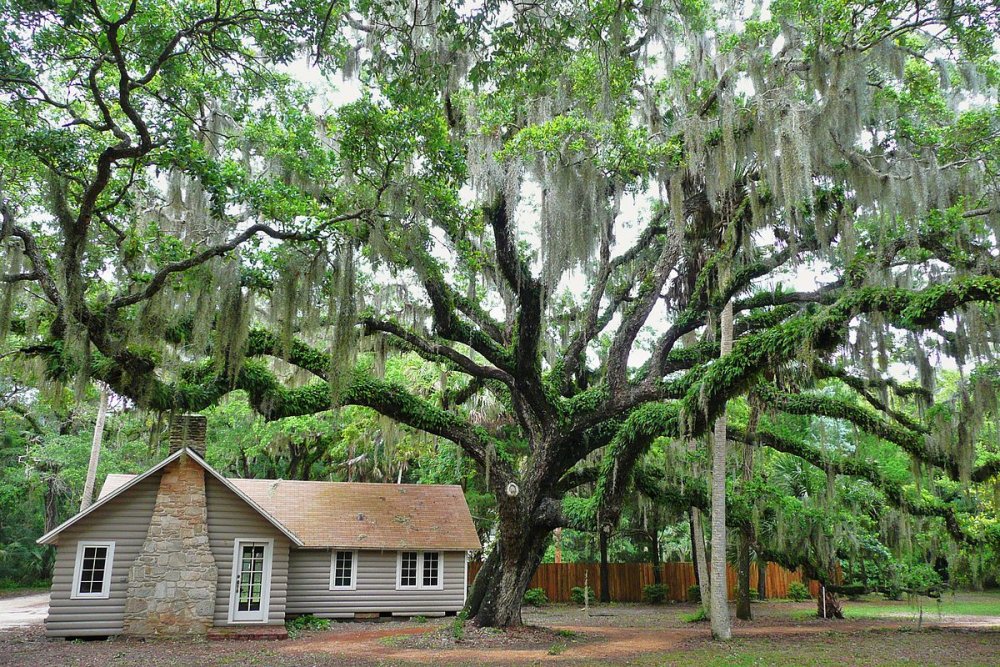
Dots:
pixel 230 518
pixel 309 586
pixel 124 520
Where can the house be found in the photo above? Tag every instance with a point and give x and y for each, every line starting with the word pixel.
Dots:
pixel 183 550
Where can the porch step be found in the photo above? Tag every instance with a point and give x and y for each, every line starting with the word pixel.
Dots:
pixel 247 632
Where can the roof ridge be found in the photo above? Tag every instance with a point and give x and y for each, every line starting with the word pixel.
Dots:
pixel 323 481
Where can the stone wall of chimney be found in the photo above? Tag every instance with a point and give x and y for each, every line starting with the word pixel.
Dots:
pixel 188 431
pixel 171 584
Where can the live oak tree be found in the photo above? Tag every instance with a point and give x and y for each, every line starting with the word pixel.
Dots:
pixel 552 202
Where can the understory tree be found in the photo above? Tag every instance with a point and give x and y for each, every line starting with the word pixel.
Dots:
pixel 552 204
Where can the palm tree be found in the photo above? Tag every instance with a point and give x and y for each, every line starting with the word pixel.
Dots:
pixel 720 610
pixel 95 450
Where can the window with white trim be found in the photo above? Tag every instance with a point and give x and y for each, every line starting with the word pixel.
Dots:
pixel 343 570
pixel 419 570
pixel 431 570
pixel 92 573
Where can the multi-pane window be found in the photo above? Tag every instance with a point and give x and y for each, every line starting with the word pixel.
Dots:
pixel 92 574
pixel 432 574
pixel 420 569
pixel 344 569
pixel 251 579
pixel 408 569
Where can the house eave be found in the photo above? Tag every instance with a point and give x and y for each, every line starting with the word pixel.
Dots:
pixel 50 537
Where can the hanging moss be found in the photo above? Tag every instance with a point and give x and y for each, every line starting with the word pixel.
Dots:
pixel 343 315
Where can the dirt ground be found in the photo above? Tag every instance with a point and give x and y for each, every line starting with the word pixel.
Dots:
pixel 780 634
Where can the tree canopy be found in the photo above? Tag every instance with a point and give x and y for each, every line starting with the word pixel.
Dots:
pixel 551 204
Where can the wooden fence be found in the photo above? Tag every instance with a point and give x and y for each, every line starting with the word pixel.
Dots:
pixel 626 580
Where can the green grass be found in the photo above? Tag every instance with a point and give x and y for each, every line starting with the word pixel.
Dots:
pixel 962 604
pixel 695 617
pixel 883 648
pixel 946 606
pixel 392 641
pixel 10 588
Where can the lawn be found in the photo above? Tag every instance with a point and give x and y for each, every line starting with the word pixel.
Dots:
pixel 948 606
pixel 967 632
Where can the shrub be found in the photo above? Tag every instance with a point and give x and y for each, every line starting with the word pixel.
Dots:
pixel 655 593
pixel 581 594
pixel 300 624
pixel 754 595
pixel 696 617
pixel 458 627
pixel 536 597
pixel 419 619
pixel 894 593
pixel 797 591
pixel 694 593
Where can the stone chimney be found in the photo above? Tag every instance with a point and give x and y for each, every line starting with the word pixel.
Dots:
pixel 171 584
pixel 188 431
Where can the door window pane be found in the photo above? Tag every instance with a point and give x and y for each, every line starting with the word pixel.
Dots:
pixel 251 577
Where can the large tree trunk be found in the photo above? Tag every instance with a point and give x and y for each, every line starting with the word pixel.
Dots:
pixel 481 584
pixel 496 598
pixel 605 574
pixel 95 450
pixel 761 579
pixel 743 578
pixel 721 628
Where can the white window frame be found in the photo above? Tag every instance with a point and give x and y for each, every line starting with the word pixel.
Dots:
pixel 354 569
pixel 265 588
pixel 109 563
pixel 420 571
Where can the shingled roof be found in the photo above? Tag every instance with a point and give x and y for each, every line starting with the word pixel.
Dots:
pixel 359 515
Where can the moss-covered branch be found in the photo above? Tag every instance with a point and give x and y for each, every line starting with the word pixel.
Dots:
pixel 867 470
pixel 734 373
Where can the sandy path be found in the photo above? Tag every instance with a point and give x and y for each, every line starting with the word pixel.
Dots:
pixel 605 643
pixel 23 611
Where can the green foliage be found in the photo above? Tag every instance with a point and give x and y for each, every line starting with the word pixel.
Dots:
pixel 697 616
pixel 655 593
pixel 139 141
pixel 581 594
pixel 797 591
pixel 694 593
pixel 536 597
pixel 458 627
pixel 920 578
pixel 307 623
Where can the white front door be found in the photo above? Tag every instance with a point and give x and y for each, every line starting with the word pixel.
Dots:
pixel 251 588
